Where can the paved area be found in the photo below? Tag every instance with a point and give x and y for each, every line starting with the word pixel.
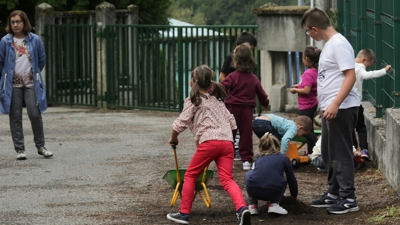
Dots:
pixel 99 158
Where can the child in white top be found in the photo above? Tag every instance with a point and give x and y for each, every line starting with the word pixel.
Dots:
pixel 365 58
pixel 205 114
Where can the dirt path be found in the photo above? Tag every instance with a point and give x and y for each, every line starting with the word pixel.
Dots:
pixel 108 167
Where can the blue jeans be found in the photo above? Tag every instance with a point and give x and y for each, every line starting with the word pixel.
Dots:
pixel 20 96
pixel 260 127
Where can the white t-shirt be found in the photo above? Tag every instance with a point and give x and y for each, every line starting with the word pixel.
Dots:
pixel 23 76
pixel 336 56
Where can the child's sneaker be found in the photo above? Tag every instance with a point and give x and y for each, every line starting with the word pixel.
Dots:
pixel 246 165
pixel 178 217
pixel 324 201
pixel 244 216
pixel 365 154
pixel 253 210
pixel 276 208
pixel 343 206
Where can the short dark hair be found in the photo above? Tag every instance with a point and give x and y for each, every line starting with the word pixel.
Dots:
pixel 24 18
pixel 315 17
pixel 243 60
pixel 368 54
pixel 304 121
pixel 246 37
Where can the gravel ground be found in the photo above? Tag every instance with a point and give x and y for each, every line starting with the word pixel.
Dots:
pixel 108 167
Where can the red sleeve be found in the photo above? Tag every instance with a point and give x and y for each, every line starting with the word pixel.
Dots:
pixel 262 96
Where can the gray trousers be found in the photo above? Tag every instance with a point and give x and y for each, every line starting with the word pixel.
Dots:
pixel 337 152
pixel 19 96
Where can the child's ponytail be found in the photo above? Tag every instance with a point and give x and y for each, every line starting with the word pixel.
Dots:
pixel 202 79
pixel 268 145
pixel 218 91
pixel 312 53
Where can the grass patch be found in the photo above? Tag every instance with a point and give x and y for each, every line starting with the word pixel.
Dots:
pixel 390 213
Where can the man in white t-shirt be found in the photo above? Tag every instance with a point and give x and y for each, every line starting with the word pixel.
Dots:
pixel 339 104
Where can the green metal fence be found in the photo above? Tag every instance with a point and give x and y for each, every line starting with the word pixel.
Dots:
pixel 149 67
pixel 70 64
pixel 375 24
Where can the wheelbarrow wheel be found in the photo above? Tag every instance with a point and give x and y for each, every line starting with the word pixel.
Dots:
pixel 295 163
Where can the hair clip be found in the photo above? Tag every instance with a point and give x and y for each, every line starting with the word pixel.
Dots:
pixel 267 134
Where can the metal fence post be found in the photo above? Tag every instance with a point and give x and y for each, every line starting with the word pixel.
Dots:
pixel 396 38
pixel 378 53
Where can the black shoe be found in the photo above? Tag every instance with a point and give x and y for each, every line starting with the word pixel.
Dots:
pixel 177 217
pixel 324 201
pixel 244 216
pixel 343 206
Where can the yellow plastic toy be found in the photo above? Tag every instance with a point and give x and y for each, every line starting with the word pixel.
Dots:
pixel 175 180
pixel 293 151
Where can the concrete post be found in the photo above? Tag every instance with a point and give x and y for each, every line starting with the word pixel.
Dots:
pixel 44 14
pixel 105 14
pixel 133 17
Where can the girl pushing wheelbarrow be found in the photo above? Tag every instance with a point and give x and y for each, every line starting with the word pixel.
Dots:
pixel 211 123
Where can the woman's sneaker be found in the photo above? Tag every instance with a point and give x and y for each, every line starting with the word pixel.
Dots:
pixel 44 152
pixel 276 208
pixel 178 218
pixel 21 155
pixel 253 210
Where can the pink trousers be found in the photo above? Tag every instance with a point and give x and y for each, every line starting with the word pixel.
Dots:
pixel 222 153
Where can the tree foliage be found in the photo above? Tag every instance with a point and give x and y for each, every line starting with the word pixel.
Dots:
pixel 222 12
pixel 150 11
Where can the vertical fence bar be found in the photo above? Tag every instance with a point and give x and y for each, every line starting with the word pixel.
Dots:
pixel 378 53
pixel 396 38
pixel 180 68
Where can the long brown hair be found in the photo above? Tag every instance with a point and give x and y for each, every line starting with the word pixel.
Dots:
pixel 202 79
pixel 24 19
pixel 243 59
pixel 268 145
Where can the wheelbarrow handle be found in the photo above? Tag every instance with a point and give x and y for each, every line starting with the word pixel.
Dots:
pixel 178 175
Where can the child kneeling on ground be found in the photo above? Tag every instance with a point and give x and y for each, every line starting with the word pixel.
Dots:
pixel 266 181
pixel 283 129
pixel 316 158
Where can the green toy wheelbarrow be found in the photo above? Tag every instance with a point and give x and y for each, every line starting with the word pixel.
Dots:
pixel 175 180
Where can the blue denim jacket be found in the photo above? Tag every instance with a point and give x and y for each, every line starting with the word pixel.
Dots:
pixel 7 67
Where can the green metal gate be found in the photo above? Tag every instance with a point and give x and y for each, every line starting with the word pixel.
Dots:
pixel 71 64
pixel 375 24
pixel 149 67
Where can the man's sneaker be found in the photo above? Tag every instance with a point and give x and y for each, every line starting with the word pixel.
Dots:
pixel 44 152
pixel 365 154
pixel 276 208
pixel 177 217
pixel 253 210
pixel 343 206
pixel 244 216
pixel 324 201
pixel 246 166
pixel 21 155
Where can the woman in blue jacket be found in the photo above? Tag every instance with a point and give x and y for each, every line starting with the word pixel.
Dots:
pixel 22 59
